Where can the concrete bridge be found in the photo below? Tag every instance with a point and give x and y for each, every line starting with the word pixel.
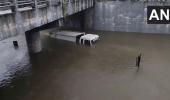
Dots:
pixel 19 16
pixel 31 16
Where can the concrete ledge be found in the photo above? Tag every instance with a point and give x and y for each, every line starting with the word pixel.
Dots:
pixel 42 6
pixel 24 9
pixel 6 12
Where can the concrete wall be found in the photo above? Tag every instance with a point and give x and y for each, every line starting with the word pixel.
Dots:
pixel 75 21
pixel 126 16
pixel 19 22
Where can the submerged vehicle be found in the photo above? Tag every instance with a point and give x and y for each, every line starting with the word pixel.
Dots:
pixel 78 37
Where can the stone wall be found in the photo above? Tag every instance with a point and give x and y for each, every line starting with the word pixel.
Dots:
pixel 125 16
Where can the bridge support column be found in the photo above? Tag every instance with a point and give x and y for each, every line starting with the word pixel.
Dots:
pixel 33 41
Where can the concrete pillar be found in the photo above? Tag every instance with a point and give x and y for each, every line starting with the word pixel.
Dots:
pixel 33 41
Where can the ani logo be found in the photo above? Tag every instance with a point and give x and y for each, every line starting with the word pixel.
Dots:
pixel 158 14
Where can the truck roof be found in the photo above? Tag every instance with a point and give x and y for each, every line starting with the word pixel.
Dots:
pixel 69 33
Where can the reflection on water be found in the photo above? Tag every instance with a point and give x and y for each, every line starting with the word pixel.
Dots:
pixel 105 71
pixel 14 69
pixel 14 62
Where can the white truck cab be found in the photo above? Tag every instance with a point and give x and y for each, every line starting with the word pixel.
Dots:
pixel 88 39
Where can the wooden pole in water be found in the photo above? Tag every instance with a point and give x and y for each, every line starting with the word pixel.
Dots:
pixel 15 43
pixel 138 60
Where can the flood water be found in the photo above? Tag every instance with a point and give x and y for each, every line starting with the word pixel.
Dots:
pixel 105 71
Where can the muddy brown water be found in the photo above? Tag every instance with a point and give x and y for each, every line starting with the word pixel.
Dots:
pixel 105 71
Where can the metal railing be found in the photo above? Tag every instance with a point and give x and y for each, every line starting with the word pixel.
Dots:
pixel 56 2
pixel 41 3
pixel 136 0
pixel 25 5
pixel 5 5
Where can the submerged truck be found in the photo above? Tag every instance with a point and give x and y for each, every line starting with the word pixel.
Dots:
pixel 78 37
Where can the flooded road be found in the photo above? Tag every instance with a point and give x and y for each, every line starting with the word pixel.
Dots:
pixel 105 71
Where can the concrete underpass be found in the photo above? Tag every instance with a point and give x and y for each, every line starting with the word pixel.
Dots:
pixel 45 68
